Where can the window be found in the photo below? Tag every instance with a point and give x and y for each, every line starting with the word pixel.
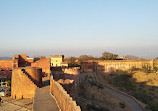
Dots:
pixel 2 70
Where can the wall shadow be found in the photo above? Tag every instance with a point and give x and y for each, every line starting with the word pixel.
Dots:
pixel 122 79
pixel 69 82
pixel 45 83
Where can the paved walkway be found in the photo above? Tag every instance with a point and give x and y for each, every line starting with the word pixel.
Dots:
pixel 16 105
pixel 43 101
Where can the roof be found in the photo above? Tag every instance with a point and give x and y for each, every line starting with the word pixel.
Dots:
pixel 59 56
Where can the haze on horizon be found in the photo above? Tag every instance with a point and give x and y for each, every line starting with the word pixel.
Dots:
pixel 80 27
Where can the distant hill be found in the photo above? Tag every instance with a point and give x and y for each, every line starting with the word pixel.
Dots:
pixel 5 58
pixel 131 57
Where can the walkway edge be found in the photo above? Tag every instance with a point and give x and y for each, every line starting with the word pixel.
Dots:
pixel 55 101
pixel 34 100
pixel 127 95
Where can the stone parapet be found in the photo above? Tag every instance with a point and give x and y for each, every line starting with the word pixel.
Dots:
pixel 66 103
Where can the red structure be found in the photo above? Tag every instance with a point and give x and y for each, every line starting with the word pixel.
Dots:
pixel 22 60
pixel 43 63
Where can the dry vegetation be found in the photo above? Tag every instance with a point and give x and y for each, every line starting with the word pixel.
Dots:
pixel 92 97
pixel 141 84
pixel 150 79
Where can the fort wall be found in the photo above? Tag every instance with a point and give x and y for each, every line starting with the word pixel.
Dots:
pixel 73 71
pixel 67 73
pixel 69 86
pixel 66 103
pixel 25 81
pixel 8 64
pixel 112 65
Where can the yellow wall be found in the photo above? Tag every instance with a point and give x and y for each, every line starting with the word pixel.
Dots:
pixel 56 61
pixel 109 65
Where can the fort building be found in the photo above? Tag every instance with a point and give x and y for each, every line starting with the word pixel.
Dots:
pixel 23 60
pixel 24 82
pixel 58 61
pixel 6 67
pixel 43 63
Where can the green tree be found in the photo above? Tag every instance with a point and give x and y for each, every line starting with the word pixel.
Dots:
pixel 73 61
pixel 109 56
pixel 9 82
pixel 86 57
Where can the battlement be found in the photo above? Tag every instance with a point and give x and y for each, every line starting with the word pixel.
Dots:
pixel 66 103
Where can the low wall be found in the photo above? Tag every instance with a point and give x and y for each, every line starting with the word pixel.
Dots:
pixel 63 99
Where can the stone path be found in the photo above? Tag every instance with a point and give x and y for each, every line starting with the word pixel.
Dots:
pixel 16 105
pixel 43 101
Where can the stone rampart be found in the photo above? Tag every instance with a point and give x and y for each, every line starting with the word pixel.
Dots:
pixel 68 73
pixel 73 71
pixel 111 65
pixel 66 103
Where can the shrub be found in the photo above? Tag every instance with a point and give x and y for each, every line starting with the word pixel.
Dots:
pixel 152 105
pixel 9 82
pixel 135 69
pixel 100 86
pixel 121 72
pixel 143 96
pixel 122 105
pixel 93 83
pixel 152 88
pixel 122 79
pixel 155 69
pixel 93 107
pixel 146 69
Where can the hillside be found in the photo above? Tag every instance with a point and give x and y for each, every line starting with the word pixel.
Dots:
pixel 131 57
pixel 5 58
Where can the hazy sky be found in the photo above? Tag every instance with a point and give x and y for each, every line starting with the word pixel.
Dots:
pixel 76 27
